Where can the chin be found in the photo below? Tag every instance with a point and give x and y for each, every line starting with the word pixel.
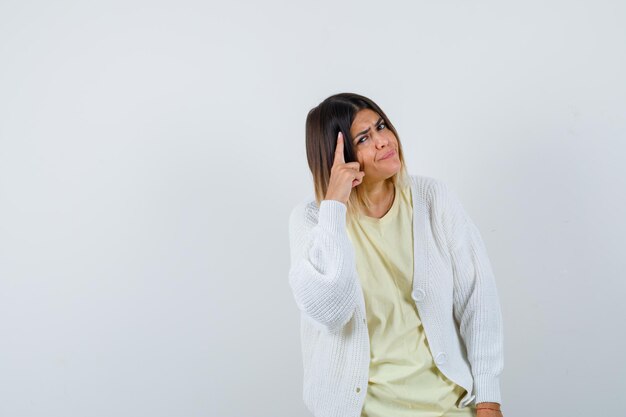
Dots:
pixel 396 169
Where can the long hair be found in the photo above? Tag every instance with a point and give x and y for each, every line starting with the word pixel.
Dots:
pixel 323 123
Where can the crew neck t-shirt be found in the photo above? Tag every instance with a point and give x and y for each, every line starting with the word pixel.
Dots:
pixel 404 380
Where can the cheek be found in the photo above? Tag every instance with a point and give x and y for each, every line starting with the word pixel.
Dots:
pixel 365 158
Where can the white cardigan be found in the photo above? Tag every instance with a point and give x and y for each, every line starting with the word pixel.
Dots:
pixel 453 288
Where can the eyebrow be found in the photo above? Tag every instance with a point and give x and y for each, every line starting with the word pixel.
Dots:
pixel 367 130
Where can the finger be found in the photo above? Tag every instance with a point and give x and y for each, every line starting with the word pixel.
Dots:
pixel 339 159
pixel 359 178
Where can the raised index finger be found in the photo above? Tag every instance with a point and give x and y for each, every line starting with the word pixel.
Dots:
pixel 339 159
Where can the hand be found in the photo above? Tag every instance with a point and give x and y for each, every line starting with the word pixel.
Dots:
pixel 488 410
pixel 343 176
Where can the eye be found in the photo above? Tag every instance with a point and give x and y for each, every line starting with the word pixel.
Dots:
pixel 381 124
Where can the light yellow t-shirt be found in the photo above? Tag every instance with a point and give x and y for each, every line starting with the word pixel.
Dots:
pixel 404 380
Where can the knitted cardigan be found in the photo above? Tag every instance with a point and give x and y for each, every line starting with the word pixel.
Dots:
pixel 453 288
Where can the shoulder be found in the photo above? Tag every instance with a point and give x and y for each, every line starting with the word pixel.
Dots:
pixel 434 191
pixel 431 189
pixel 442 203
pixel 424 180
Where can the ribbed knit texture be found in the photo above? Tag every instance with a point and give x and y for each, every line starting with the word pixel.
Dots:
pixel 453 288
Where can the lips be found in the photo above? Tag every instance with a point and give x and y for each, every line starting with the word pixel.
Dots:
pixel 388 154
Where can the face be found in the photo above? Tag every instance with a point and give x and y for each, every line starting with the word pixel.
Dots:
pixel 371 141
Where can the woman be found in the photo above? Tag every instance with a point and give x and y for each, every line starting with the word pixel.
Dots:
pixel 400 315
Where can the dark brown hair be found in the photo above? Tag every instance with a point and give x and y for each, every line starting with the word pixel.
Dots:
pixel 323 123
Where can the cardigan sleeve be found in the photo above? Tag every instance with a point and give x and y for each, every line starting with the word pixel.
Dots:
pixel 322 274
pixel 476 302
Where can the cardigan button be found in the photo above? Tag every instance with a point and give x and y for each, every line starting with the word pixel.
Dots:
pixel 419 294
pixel 358 389
pixel 441 358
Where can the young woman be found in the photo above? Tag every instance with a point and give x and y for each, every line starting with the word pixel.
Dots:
pixel 400 315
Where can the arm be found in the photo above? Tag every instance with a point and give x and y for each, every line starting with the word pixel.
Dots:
pixel 476 302
pixel 322 274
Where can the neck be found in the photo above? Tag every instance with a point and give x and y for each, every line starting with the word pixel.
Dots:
pixel 379 192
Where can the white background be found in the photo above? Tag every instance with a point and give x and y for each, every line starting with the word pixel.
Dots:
pixel 151 152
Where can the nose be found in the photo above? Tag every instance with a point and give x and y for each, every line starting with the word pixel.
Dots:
pixel 381 140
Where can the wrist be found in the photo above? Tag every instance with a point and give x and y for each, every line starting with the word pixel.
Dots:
pixel 488 405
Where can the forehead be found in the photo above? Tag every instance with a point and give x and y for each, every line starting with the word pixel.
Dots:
pixel 363 119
